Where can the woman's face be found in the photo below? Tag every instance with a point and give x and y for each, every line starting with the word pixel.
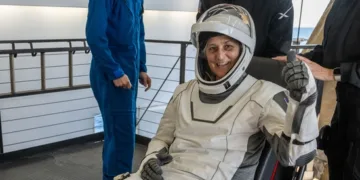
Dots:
pixel 222 53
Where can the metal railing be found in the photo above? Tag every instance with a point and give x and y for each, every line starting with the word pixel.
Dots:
pixel 13 53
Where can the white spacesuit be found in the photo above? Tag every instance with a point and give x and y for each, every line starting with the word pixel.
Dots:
pixel 216 129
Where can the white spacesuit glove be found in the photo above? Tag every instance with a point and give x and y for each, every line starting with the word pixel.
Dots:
pixel 296 76
pixel 152 168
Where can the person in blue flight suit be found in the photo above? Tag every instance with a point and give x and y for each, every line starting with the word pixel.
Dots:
pixel 115 34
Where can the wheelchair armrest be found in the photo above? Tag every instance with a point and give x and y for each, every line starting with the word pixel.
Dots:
pixel 270 169
pixel 299 173
pixel 267 163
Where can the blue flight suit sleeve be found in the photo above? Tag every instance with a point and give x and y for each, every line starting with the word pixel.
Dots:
pixel 142 43
pixel 96 28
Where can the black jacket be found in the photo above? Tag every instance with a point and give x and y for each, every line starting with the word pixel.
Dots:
pixel 341 48
pixel 341 44
pixel 273 30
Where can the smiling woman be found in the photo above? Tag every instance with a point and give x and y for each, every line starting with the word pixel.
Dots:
pixel 222 53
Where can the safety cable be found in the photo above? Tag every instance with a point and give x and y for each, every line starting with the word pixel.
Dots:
pixel 162 84
pixel 298 34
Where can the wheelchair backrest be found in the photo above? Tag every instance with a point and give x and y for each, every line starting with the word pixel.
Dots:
pixel 266 69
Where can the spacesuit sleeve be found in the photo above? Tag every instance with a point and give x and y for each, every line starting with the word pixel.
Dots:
pixel 291 128
pixel 96 25
pixel 165 133
pixel 142 43
pixel 280 29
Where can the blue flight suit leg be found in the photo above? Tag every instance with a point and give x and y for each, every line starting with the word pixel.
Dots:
pixel 115 34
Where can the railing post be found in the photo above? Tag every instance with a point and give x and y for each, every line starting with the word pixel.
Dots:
pixel 12 73
pixel 182 63
pixel 42 66
pixel 1 138
pixel 70 69
pixel 138 110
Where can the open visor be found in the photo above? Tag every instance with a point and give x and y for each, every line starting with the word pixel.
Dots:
pixel 224 29
pixel 232 21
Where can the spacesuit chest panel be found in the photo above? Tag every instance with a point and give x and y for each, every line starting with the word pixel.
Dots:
pixel 216 137
pixel 235 116
pixel 213 112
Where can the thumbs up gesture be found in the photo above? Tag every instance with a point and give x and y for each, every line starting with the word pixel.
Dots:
pixel 296 76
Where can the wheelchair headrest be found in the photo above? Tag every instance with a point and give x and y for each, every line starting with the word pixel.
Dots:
pixel 266 69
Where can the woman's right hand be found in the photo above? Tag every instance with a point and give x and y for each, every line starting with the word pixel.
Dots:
pixel 296 76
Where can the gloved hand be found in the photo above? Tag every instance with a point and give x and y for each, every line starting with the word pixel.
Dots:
pixel 122 176
pixel 152 168
pixel 295 75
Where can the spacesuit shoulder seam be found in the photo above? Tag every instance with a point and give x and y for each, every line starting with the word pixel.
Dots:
pixel 182 87
pixel 270 88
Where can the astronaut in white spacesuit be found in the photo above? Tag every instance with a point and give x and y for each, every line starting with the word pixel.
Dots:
pixel 215 126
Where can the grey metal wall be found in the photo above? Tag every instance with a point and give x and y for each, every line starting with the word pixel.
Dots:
pixel 35 120
pixel 31 121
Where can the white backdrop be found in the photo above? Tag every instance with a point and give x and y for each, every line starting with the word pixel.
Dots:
pixel 166 5
pixel 32 22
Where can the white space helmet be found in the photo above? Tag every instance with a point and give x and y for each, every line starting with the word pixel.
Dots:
pixel 230 20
